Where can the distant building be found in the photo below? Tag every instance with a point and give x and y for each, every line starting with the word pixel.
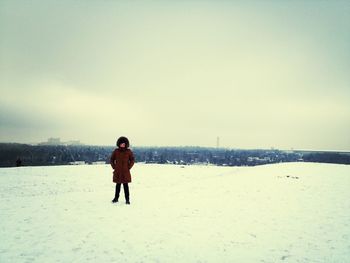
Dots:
pixel 52 141
pixel 77 163
pixel 57 141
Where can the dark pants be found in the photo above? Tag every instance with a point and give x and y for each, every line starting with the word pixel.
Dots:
pixel 126 190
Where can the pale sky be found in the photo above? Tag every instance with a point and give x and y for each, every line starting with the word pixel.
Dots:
pixel 258 74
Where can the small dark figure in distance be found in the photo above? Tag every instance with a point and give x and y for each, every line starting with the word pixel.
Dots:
pixel 18 162
pixel 122 159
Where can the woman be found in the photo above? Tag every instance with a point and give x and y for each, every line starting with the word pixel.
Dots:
pixel 122 160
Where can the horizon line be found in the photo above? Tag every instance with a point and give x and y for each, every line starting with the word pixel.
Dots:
pixel 184 146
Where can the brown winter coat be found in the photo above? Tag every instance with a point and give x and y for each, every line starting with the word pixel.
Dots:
pixel 121 161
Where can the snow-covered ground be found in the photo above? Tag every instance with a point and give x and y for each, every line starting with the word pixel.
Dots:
pixel 291 212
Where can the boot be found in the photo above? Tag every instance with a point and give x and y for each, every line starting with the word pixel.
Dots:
pixel 127 194
pixel 117 191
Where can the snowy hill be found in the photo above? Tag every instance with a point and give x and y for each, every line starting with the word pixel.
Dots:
pixel 290 212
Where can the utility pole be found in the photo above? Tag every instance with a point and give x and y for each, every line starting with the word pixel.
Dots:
pixel 217 142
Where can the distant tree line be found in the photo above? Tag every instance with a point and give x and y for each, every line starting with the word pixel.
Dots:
pixel 12 154
pixel 36 155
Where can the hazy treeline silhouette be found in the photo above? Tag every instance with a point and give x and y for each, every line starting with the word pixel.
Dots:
pixel 12 154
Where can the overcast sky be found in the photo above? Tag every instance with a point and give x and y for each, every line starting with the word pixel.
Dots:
pixel 170 73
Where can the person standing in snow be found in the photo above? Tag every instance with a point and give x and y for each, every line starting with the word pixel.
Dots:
pixel 18 162
pixel 122 159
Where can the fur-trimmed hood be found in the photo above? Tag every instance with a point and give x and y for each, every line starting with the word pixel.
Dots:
pixel 121 140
